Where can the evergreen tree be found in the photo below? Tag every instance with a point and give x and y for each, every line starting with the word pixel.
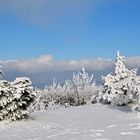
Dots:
pixel 15 98
pixel 135 88
pixel 117 86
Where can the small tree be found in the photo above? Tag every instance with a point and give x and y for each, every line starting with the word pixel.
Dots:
pixel 15 98
pixel 81 87
pixel 135 97
pixel 117 86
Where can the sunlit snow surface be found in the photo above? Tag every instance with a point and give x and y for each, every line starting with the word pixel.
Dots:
pixel 91 122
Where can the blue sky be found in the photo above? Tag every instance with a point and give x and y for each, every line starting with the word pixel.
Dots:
pixel 56 37
pixel 69 29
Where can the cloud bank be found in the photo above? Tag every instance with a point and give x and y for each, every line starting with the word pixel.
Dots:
pixel 48 63
pixel 44 69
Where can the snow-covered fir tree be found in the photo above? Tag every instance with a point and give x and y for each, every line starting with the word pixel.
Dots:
pixel 135 97
pixel 117 87
pixel 15 98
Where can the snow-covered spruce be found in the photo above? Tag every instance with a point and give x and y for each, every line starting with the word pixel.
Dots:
pixel 136 94
pixel 120 87
pixel 15 98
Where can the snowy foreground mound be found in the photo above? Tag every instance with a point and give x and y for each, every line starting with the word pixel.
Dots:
pixel 93 122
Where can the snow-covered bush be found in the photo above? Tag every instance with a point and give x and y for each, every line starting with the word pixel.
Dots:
pixel 80 88
pixel 118 87
pixel 53 105
pixel 95 97
pixel 76 91
pixel 40 103
pixel 15 98
pixel 50 97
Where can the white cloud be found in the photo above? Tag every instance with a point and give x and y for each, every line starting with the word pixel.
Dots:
pixel 46 62
pixel 43 69
pixel 44 59
pixel 133 62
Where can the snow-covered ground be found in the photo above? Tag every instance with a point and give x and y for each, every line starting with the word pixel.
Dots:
pixel 90 122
